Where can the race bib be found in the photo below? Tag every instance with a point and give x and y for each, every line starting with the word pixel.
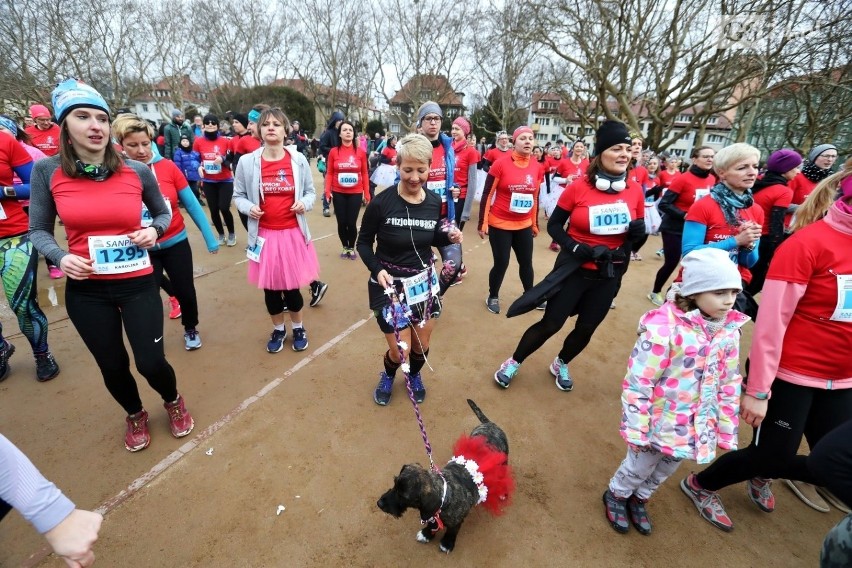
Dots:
pixel 347 179
pixel 610 219
pixel 116 254
pixel 416 288
pixel 253 253
pixel 521 202
pixel 438 187
pixel 147 219
pixel 843 311
pixel 211 167
pixel 701 192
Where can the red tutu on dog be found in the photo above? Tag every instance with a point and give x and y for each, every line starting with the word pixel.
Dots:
pixel 490 471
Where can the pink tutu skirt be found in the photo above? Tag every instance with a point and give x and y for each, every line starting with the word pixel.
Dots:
pixel 286 261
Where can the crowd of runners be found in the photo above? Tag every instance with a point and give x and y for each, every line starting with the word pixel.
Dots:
pixel 734 225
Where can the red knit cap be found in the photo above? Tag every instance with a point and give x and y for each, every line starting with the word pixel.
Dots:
pixel 520 130
pixel 39 111
pixel 463 123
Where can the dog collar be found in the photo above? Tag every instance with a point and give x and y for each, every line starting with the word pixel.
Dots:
pixel 436 518
pixel 473 469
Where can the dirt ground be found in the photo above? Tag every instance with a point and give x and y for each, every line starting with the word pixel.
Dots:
pixel 302 431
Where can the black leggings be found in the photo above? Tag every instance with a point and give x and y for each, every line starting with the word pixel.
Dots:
pixel 672 247
pixel 193 187
pixel 177 262
pixel 98 309
pixel 765 251
pixel 219 196
pixel 831 461
pixel 276 300
pixel 346 209
pixel 583 293
pixel 502 241
pixel 459 210
pixel 794 410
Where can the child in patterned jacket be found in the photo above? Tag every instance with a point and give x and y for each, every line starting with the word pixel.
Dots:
pixel 682 389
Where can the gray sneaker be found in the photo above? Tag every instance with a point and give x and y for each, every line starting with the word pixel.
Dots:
pixel 232 240
pixel 191 339
pixel 507 372
pixel 493 305
pixel 559 369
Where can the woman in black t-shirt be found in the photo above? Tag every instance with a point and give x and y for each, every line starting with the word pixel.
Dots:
pixel 402 221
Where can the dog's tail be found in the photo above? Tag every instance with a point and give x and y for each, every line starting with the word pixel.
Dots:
pixel 478 412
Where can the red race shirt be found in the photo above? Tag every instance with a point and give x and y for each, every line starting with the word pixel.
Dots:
pixel 45 140
pixel 390 154
pixel 707 212
pixel 464 159
pixel 777 195
pixel 690 188
pixel 277 193
pixel 12 155
pixel 571 171
pixel 552 163
pixel 93 208
pixel 495 154
pixel 815 344
pixel 245 144
pixel 209 150
pixel 515 192
pixel 665 179
pixel 171 180
pixel 346 171
pixel 802 188
pixel 600 218
pixel 640 175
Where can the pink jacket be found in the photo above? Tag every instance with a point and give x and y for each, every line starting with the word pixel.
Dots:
pixel 681 394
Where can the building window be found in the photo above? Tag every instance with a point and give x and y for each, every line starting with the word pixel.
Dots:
pixel 684 118
pixel 715 139
pixel 548 105
pixel 712 120
pixel 679 152
pixel 554 137
pixel 144 107
pixel 394 127
pixel 542 121
pixel 569 129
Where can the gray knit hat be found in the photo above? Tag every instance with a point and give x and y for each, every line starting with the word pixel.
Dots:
pixel 707 269
pixel 426 108
pixel 815 152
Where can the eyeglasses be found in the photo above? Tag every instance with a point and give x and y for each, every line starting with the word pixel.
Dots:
pixel 210 122
pixel 431 119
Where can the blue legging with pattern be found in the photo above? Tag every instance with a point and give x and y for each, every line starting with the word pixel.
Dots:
pixel 18 264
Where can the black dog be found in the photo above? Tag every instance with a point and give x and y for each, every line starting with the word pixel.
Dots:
pixel 445 499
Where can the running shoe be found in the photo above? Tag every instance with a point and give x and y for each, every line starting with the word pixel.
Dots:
pixel 137 436
pixel 353 255
pixel 708 503
pixel 55 272
pixel 639 514
pixel 180 421
pixel 300 339
pixel 612 305
pixel 542 306
pixel 191 339
pixel 493 305
pixel 616 512
pixel 656 298
pixel 318 290
pixel 760 492
pixel 660 253
pixel 417 387
pixel 554 246
pixel 174 305
pixel 232 240
pixel 635 256
pixel 276 340
pixel 382 395
pixel 326 212
pixel 221 240
pixel 5 353
pixel 46 366
pixel 344 253
pixel 507 372
pixel 559 369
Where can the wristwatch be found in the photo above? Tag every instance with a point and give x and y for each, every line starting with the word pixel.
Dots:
pixel 158 230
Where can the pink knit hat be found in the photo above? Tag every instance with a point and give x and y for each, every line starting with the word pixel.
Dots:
pixel 39 111
pixel 520 130
pixel 463 123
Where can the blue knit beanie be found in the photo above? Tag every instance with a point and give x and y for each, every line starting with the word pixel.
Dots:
pixel 9 124
pixel 71 94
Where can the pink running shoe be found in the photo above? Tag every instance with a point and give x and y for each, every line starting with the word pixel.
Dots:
pixel 708 503
pixel 175 308
pixel 55 272
pixel 180 421
pixel 137 437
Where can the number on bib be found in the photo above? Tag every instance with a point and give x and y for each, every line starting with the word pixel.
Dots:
pixel 609 219
pixel 521 202
pixel 116 254
pixel 253 253
pixel 416 288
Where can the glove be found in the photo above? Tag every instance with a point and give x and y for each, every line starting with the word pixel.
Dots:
pixel 636 230
pixel 581 251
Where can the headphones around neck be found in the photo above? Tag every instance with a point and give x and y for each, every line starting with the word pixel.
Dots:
pixel 605 184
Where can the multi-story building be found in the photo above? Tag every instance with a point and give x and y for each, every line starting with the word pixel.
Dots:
pixel 415 92
pixel 179 92
pixel 356 108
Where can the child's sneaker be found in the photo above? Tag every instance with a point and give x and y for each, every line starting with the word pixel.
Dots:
pixel 616 512
pixel 383 389
pixel 506 372
pixel 760 492
pixel 639 514
pixel 276 340
pixel 708 503
pixel 300 339
pixel 656 298
pixel 55 272
pixel 559 369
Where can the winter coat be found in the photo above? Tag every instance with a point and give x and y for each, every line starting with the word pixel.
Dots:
pixel 330 138
pixel 172 133
pixel 681 394
pixel 188 163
